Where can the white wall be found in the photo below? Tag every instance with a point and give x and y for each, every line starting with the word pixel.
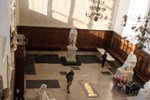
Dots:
pixel 64 13
pixel 121 9
pixel 133 9
pixel 0 55
pixel 4 39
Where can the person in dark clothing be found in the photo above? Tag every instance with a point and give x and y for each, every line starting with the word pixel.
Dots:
pixel 19 95
pixel 103 58
pixel 69 76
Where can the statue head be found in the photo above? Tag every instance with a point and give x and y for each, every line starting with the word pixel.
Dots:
pixel 43 86
pixel 73 31
pixel 131 52
pixel 134 58
pixel 131 57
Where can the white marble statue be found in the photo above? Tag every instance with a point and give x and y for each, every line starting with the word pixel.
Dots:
pixel 41 93
pixel 144 93
pixel 72 37
pixel 126 69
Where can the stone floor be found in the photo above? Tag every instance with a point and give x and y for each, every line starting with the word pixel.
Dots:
pixel 91 72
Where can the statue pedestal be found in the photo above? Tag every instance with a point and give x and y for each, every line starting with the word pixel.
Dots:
pixel 131 98
pixel 71 54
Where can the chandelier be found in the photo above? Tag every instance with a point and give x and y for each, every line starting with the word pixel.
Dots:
pixel 97 11
pixel 143 29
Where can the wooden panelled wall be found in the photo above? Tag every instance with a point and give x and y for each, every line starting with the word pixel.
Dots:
pixel 45 38
pixel 121 48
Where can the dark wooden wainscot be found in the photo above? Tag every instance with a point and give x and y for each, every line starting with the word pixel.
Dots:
pixel 120 47
pixel 48 38
pixel 142 69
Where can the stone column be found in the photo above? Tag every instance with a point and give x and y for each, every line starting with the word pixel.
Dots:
pixel 10 68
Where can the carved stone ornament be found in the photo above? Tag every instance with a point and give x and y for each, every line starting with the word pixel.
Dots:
pixel 13 41
pixel 12 7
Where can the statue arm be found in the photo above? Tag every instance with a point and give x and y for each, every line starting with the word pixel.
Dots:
pixel 47 98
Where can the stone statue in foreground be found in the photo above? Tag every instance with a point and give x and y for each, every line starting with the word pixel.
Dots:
pixel 41 93
pixel 126 69
pixel 144 93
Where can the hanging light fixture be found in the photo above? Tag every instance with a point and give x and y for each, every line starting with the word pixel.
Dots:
pixel 143 29
pixel 97 11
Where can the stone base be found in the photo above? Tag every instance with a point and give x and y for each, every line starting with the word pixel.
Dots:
pixel 131 98
pixel 70 60
pixel 66 63
pixel 71 54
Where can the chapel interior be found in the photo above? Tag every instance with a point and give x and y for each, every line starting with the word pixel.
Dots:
pixel 35 48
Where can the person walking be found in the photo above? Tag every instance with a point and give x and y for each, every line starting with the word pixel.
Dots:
pixel 69 76
pixel 103 58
